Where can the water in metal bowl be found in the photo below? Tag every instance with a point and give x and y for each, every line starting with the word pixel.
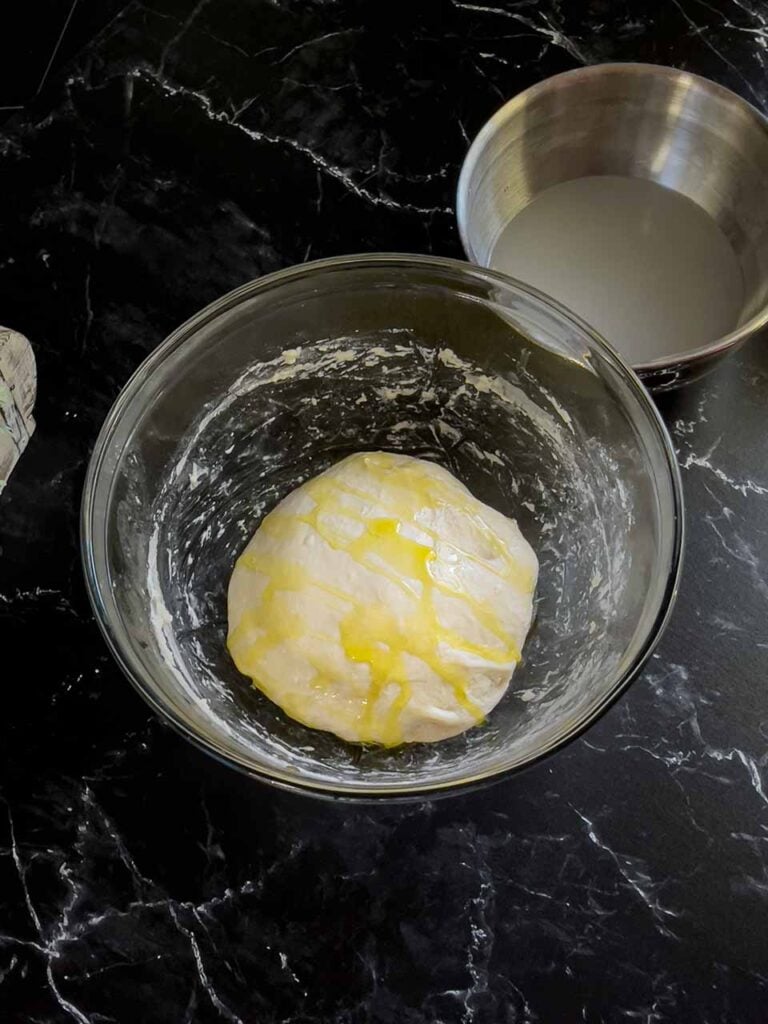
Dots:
pixel 637 195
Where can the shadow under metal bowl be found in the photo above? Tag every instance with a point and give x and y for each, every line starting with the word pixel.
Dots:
pixel 634 120
pixel 435 358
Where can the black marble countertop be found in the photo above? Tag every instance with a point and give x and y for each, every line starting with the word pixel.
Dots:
pixel 164 154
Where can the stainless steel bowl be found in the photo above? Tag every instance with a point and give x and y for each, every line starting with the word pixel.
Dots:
pixel 436 358
pixel 635 120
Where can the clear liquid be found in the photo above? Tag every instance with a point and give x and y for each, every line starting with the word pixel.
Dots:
pixel 643 265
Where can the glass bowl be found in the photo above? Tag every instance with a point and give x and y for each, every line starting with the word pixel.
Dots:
pixel 432 357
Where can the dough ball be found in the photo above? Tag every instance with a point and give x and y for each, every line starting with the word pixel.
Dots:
pixel 380 601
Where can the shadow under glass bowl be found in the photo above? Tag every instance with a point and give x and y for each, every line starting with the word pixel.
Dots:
pixel 432 357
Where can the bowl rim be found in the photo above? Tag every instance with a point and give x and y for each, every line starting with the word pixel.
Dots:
pixel 513 106
pixel 132 669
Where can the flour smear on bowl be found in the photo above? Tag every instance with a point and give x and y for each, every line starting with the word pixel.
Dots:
pixel 286 419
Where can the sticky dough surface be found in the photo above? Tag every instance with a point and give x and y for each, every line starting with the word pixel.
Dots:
pixel 382 602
